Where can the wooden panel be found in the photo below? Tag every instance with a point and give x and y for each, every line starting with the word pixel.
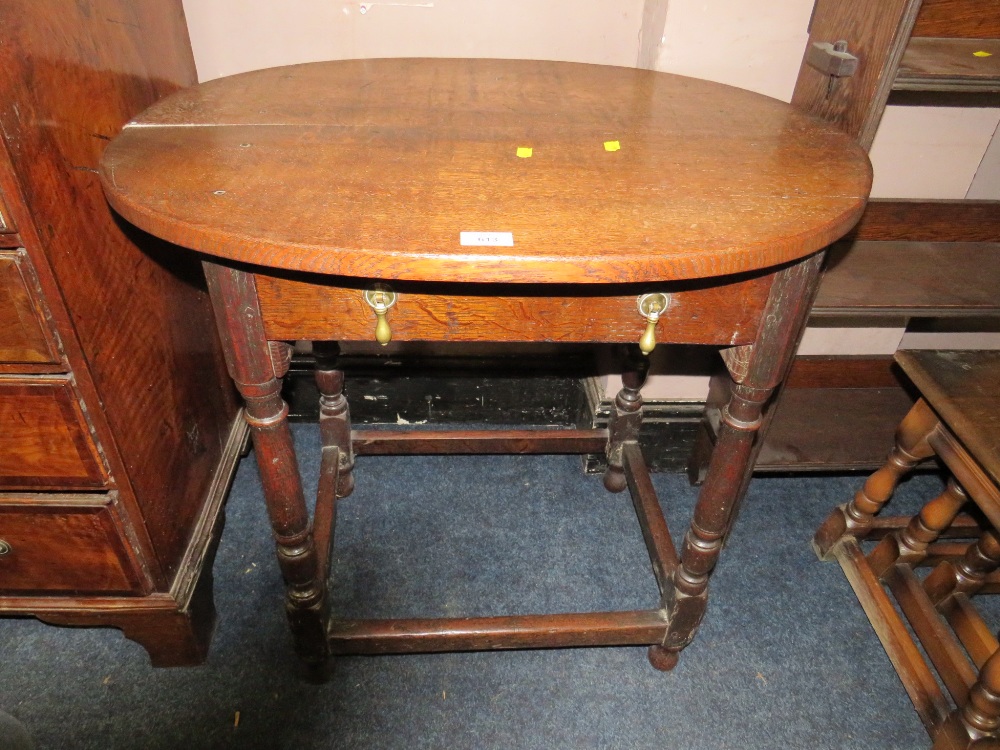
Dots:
pixel 963 387
pixel 65 545
pixel 6 223
pixel 727 314
pixel 830 429
pixel 932 279
pixel 8 233
pixel 23 336
pixel 877 37
pixel 842 372
pixel 931 64
pixel 140 332
pixel 929 221
pixel 970 19
pixel 44 439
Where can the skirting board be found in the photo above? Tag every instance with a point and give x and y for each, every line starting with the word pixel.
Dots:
pixel 491 391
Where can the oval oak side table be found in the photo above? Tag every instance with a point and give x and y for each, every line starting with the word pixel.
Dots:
pixel 493 200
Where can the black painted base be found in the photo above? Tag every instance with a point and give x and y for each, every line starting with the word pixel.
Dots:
pixel 494 391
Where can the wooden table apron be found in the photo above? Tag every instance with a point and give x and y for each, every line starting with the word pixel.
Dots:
pixel 587 186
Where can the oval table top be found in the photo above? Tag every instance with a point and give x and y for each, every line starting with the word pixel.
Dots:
pixel 559 172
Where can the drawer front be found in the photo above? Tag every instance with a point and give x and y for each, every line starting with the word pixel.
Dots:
pixel 697 313
pixel 70 544
pixel 24 335
pixel 44 439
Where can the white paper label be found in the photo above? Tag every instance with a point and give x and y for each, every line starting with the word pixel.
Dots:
pixel 480 239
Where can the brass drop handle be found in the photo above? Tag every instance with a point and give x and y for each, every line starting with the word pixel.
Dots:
pixel 651 307
pixel 380 298
pixel 5 548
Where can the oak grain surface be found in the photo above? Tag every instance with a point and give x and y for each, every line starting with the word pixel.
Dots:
pixel 958 18
pixel 725 312
pixel 6 223
pixel 929 221
pixel 64 545
pixel 134 322
pixel 911 278
pixel 963 387
pixel 44 438
pixel 23 336
pixel 372 168
pixel 877 38
pixel 931 63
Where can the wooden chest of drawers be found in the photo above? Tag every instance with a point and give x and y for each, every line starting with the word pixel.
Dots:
pixel 119 430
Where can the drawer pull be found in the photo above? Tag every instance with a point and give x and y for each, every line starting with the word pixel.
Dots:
pixel 651 306
pixel 380 298
pixel 5 548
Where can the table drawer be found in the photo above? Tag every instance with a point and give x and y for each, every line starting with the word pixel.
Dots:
pixel 72 543
pixel 45 442
pixel 24 336
pixel 302 307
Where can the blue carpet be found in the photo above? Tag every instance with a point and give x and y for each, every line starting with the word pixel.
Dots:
pixel 785 657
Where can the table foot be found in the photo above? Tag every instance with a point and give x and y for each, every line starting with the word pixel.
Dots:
pixel 614 479
pixel 662 659
pixel 317 673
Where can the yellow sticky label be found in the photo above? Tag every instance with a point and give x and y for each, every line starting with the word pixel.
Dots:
pixel 612 146
pixel 524 151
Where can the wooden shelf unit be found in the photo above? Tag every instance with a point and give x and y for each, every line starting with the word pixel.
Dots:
pixel 965 65
pixel 907 259
pixel 913 258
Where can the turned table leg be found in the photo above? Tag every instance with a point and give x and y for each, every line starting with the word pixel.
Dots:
pixel 713 513
pixel 978 720
pixel 626 419
pixel 334 413
pixel 336 479
pixel 909 545
pixel 756 371
pixel 855 518
pixel 967 574
pixel 237 313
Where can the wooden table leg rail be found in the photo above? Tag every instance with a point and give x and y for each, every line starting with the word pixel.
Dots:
pixel 662 553
pixel 916 676
pixel 975 723
pixel 325 516
pixel 991 585
pixel 938 641
pixel 408 442
pixel 909 545
pixel 963 527
pixel 642 627
pixel 979 641
pixel 950 552
pixel 967 574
